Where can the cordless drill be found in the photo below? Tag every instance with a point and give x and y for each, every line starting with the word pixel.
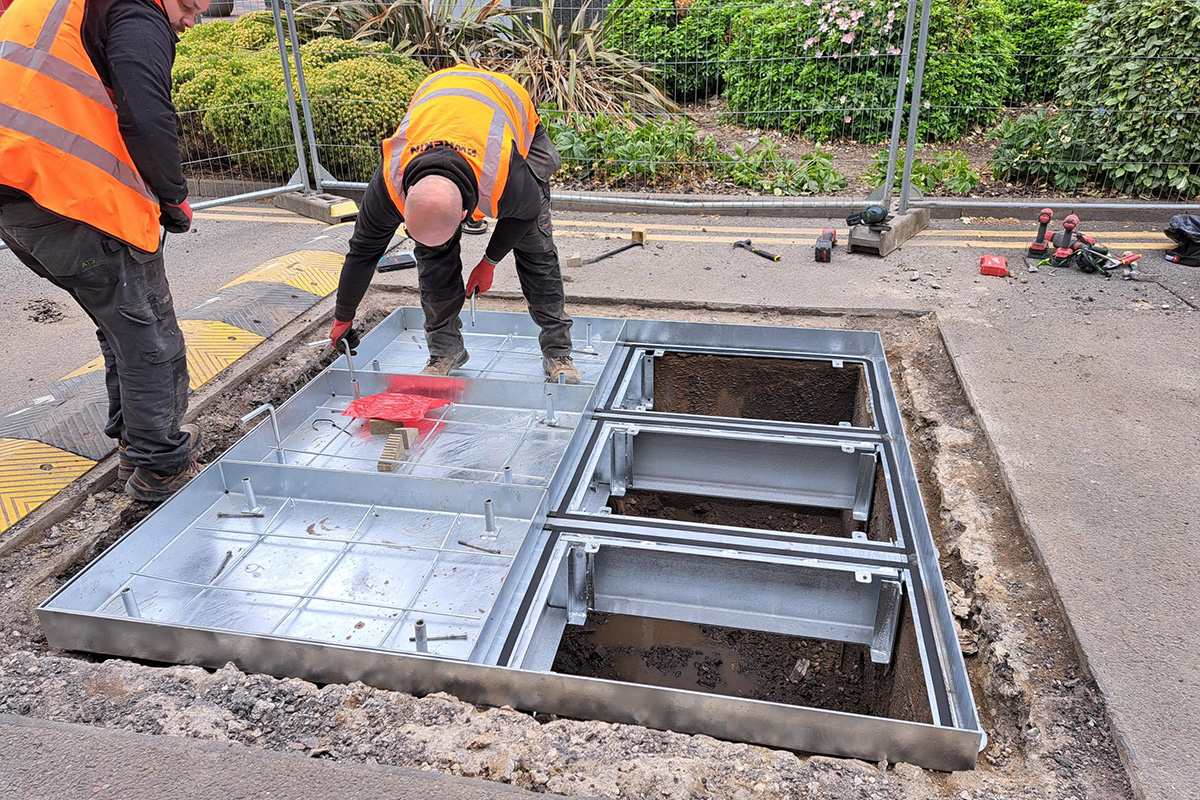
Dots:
pixel 1039 246
pixel 825 243
pixel 1067 241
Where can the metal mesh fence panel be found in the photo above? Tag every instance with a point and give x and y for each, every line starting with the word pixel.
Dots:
pixel 775 100
pixel 237 116
pixel 1053 99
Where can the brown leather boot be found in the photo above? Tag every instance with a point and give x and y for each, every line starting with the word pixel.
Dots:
pixel 443 365
pixel 560 365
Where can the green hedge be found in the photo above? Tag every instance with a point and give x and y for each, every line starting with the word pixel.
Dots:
pixel 684 41
pixel 830 70
pixel 1041 34
pixel 229 88
pixel 1126 118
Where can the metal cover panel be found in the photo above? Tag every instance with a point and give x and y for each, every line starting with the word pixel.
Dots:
pixel 294 555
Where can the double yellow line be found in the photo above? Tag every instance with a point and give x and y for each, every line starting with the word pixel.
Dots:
pixel 723 234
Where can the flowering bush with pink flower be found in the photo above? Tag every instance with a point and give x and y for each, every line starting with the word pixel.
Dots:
pixel 829 68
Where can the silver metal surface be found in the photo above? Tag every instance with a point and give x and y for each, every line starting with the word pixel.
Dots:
pixel 460 570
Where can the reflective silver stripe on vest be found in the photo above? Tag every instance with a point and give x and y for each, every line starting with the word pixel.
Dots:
pixel 516 99
pixel 56 69
pixel 76 145
pixel 492 154
pixel 54 21
pixel 491 162
pixel 399 142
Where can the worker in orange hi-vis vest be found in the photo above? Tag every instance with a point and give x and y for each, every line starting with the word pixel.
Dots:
pixel 471 146
pixel 89 171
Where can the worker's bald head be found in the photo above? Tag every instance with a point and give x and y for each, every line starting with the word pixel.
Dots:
pixel 433 210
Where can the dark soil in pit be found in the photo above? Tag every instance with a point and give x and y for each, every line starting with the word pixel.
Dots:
pixel 724 661
pixel 779 389
pixel 725 511
pixel 755 665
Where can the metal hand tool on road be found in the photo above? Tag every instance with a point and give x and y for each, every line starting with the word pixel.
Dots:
pixel 637 238
pixel 746 245
pixel 473 295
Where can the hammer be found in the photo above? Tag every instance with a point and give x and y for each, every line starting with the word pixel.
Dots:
pixel 745 244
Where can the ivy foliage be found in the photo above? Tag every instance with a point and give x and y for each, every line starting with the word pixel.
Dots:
pixel 672 155
pixel 1126 119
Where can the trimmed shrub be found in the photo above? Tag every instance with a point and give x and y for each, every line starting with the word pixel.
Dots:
pixel 1137 109
pixel 684 41
pixel 830 70
pixel 356 104
pixel 359 93
pixel 826 71
pixel 1041 33
pixel 1126 118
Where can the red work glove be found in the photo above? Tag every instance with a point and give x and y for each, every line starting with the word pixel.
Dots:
pixel 344 331
pixel 175 218
pixel 481 277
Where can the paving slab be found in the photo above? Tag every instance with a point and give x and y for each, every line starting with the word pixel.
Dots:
pixel 57 761
pixel 1095 428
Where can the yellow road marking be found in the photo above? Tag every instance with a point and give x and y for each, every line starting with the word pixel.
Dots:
pixel 213 346
pixel 667 237
pixel 314 271
pixel 93 365
pixel 31 473
pixel 295 220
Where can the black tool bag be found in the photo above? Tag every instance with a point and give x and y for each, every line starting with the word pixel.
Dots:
pixel 1185 232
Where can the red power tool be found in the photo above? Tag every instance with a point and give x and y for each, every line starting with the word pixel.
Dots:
pixel 1039 246
pixel 825 243
pixel 1068 241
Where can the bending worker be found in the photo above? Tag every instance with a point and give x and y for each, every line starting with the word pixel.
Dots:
pixel 471 146
pixel 89 169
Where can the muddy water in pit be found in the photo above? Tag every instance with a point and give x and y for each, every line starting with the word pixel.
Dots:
pixel 724 661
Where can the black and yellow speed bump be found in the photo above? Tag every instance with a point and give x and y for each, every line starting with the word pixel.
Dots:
pixel 57 435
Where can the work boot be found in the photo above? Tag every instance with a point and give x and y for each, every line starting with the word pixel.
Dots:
pixel 554 366
pixel 124 464
pixel 155 487
pixel 443 365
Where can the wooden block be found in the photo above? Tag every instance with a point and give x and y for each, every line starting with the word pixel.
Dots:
pixel 393 450
pixel 575 260
pixel 382 427
pixel 639 236
pixel 410 437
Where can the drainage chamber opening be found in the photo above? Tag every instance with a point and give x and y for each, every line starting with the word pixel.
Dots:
pixel 806 391
pixel 756 665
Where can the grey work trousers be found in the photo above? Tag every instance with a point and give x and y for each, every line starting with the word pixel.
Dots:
pixel 439 271
pixel 125 292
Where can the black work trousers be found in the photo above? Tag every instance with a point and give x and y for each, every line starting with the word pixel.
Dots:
pixel 439 271
pixel 125 292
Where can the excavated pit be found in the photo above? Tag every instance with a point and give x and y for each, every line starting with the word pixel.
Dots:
pixel 755 665
pixel 778 389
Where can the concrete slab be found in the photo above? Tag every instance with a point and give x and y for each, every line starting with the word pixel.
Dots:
pixel 51 761
pixel 1094 422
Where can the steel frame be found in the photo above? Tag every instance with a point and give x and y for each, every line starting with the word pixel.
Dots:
pixel 292 555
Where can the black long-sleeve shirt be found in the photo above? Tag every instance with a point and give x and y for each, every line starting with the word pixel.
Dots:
pixel 132 46
pixel 378 217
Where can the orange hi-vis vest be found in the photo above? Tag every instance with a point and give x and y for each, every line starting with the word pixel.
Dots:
pixel 59 140
pixel 478 113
